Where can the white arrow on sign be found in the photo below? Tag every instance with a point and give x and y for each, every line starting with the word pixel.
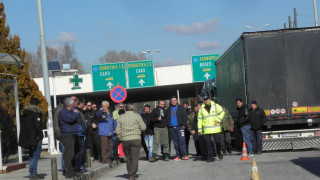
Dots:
pixel 109 85
pixel 207 76
pixel 141 82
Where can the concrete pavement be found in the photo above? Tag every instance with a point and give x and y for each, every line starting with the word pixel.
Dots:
pixel 44 169
pixel 288 165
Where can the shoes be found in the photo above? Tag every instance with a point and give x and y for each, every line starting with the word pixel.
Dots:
pixel 153 158
pixel 177 159
pixel 220 156
pixel 166 157
pixel 185 158
pixel 224 151
pixel 250 154
pixel 36 177
pixel 210 159
pixel 259 152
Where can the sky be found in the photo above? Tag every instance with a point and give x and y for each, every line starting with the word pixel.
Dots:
pixel 178 28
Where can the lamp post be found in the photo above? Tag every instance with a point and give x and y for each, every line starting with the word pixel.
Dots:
pixel 150 52
pixel 257 27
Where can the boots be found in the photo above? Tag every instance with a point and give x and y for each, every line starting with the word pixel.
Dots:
pixel 224 151
pixel 210 158
pixel 220 156
pixel 153 158
pixel 166 157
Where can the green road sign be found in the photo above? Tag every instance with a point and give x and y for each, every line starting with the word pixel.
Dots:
pixel 140 74
pixel 76 81
pixel 106 76
pixel 203 67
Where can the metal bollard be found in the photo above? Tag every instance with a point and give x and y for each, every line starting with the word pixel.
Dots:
pixel 88 158
pixel 54 171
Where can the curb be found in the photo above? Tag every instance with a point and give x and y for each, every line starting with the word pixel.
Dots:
pixel 97 172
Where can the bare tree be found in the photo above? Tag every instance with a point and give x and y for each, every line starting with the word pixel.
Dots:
pixel 113 56
pixel 64 55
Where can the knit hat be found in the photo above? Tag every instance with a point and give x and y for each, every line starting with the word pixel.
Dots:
pixel 254 102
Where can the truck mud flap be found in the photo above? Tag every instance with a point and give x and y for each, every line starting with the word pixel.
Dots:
pixel 290 143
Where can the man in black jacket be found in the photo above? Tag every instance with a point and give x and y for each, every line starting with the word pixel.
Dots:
pixel 244 124
pixel 148 133
pixel 160 130
pixel 257 117
pixel 177 118
pixel 31 135
pixel 92 139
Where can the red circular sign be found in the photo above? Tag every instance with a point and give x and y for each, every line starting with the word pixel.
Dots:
pixel 118 94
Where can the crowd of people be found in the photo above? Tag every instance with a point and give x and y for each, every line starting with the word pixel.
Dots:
pixel 80 125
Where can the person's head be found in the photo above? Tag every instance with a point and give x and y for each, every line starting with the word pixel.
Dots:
pixel 185 104
pixel 120 106
pixel 254 104
pixel 174 101
pixel 89 105
pixel 207 100
pixel 105 106
pixel 68 103
pixel 239 102
pixel 34 101
pixel 130 107
pixel 94 106
pixel 75 103
pixel 121 111
pixel 161 104
pixel 80 104
pixel 146 109
pixel 84 108
pixel 196 108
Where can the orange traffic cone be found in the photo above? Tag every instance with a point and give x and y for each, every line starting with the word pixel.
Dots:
pixel 244 153
pixel 254 171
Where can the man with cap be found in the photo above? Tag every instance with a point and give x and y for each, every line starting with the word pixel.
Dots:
pixel 210 118
pixel 257 117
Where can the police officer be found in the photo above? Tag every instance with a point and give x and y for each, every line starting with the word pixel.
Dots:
pixel 210 116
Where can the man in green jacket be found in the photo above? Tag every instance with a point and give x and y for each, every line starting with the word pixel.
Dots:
pixel 129 129
pixel 227 127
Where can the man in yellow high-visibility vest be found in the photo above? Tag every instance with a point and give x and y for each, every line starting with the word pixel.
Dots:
pixel 210 118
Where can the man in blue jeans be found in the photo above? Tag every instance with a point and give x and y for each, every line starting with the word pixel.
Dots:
pixel 244 124
pixel 177 119
pixel 31 135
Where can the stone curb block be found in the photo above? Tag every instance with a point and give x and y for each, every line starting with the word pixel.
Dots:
pixel 97 172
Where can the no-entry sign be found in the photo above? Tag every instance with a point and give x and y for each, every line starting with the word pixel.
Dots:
pixel 118 94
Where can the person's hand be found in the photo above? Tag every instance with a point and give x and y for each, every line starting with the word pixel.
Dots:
pixel 231 129
pixel 200 133
pixel 76 111
pixel 216 123
pixel 192 132
pixel 114 132
pixel 94 125
pixel 159 118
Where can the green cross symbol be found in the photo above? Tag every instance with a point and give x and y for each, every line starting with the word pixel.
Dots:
pixel 76 80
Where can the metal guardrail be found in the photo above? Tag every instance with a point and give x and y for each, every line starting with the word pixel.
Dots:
pixel 289 131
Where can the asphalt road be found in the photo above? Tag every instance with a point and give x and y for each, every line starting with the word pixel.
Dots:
pixel 285 165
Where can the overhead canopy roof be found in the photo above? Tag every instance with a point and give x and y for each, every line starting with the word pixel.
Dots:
pixel 11 59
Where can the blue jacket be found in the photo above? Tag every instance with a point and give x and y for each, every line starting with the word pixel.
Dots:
pixel 106 124
pixel 68 121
